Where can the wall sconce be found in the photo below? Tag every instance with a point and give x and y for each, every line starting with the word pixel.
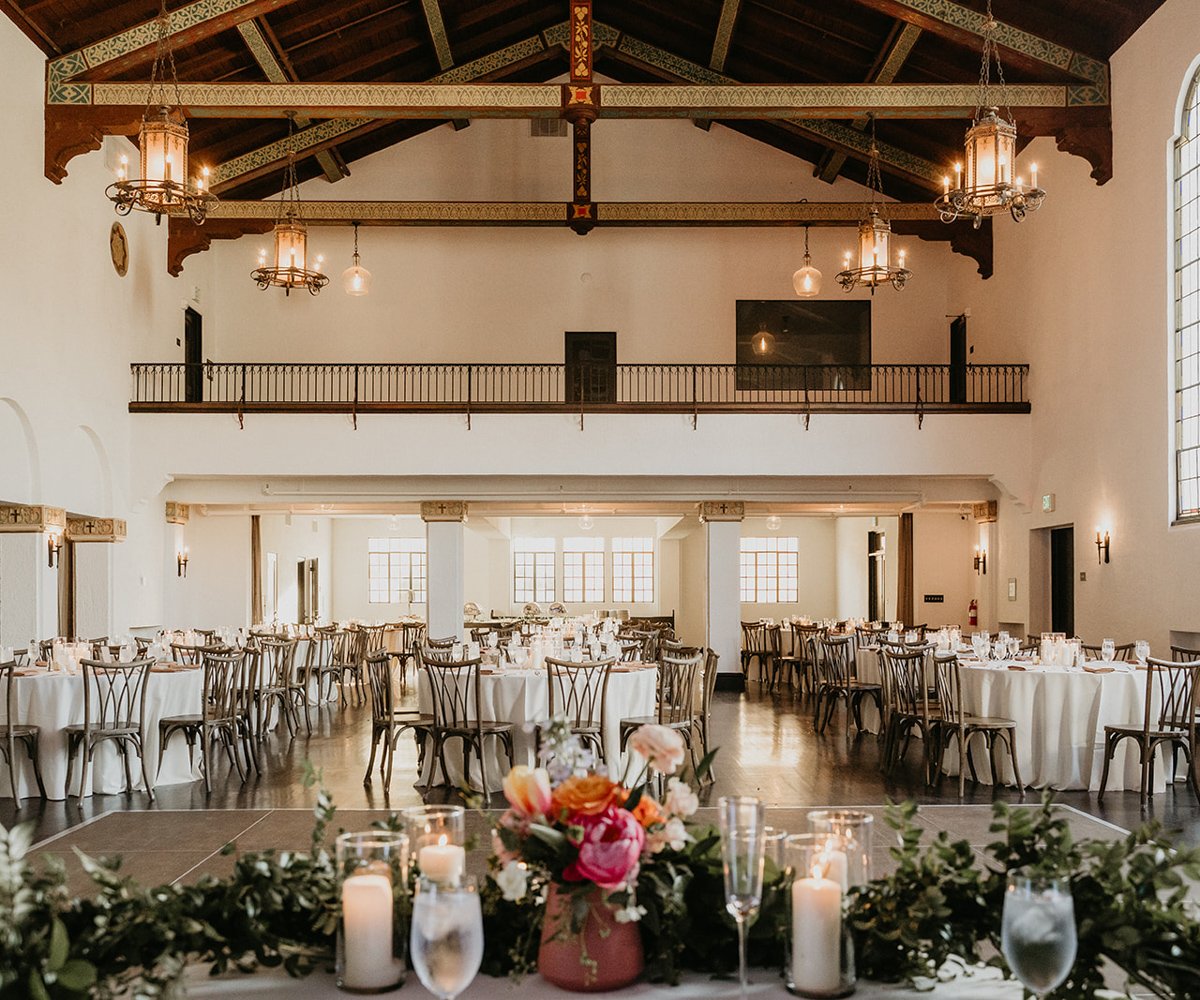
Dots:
pixel 53 548
pixel 181 561
pixel 1102 544
pixel 980 560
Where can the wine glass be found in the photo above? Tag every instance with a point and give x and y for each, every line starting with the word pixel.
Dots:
pixel 1038 932
pixel 743 833
pixel 1141 650
pixel 1108 649
pixel 446 943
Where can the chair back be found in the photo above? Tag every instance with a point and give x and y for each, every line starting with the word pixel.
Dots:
pixel 947 682
pixel 7 672
pixel 631 650
pixel 454 691
pixel 1121 654
pixel 579 691
pixel 709 681
pixel 670 647
pixel 805 639
pixel 379 679
pixel 1178 694
pixel 278 659
pixel 869 637
pixel 114 694
pixel 480 635
pixel 754 636
pixel 191 656
pixel 677 688
pixel 325 648
pixel 835 660
pixel 446 643
pixel 143 645
pixel 905 688
pixel 1181 654
pixel 648 639
pixel 223 685
pixel 375 638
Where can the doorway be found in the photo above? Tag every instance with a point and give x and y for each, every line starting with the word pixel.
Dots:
pixel 876 576
pixel 308 603
pixel 958 360
pixel 193 356
pixel 66 589
pixel 591 367
pixel 1062 580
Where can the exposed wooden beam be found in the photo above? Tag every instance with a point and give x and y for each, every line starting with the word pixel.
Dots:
pixel 22 20
pixel 272 64
pixel 1021 48
pixel 720 49
pixel 581 111
pixel 437 32
pixel 185 26
pixel 546 100
pixel 898 46
pixel 231 219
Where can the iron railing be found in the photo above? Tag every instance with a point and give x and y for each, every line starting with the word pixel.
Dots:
pixel 522 388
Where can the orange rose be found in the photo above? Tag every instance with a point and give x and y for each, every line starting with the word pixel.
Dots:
pixel 647 812
pixel 587 796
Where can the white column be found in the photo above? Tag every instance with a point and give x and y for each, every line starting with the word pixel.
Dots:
pixel 723 543
pixel 444 559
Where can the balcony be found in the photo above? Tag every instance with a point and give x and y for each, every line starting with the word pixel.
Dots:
pixel 245 388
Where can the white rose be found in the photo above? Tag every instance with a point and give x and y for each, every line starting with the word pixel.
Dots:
pixel 675 834
pixel 513 881
pixel 681 800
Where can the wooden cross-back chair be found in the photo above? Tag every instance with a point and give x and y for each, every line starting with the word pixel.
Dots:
pixel 676 701
pixel 754 647
pixel 907 706
pixel 957 724
pixel 837 680
pixel 579 692
pixel 389 722
pixel 15 733
pixel 279 685
pixel 220 717
pixel 114 710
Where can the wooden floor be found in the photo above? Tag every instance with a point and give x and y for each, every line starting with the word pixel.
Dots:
pixel 768 748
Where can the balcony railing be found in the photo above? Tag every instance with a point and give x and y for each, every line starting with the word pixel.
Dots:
pixel 549 388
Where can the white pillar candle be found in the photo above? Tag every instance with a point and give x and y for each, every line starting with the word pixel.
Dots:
pixel 369 962
pixel 837 867
pixel 442 862
pixel 816 935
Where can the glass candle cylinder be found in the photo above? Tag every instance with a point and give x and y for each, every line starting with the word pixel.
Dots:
pixel 437 838
pixel 372 934
pixel 822 951
pixel 854 828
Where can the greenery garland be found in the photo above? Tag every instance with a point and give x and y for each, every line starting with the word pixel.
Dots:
pixel 938 911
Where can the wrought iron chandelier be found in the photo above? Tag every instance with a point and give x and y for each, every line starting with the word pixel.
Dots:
pixel 874 240
pixel 988 186
pixel 290 267
pixel 164 184
pixel 807 280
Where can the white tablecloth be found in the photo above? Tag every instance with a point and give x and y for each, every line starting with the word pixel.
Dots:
pixel 764 984
pixel 53 701
pixel 522 698
pixel 1060 716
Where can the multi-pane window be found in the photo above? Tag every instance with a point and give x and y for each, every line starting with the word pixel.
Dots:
pixel 633 570
pixel 396 570
pixel 770 570
pixel 583 569
pixel 1187 308
pixel 533 570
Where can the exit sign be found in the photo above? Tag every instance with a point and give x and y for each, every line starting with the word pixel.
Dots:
pixel 1048 503
pixel 935 598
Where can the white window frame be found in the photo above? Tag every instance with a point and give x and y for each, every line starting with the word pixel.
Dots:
pixel 769 569
pixel 633 570
pixel 1185 294
pixel 396 566
pixel 583 570
pixel 533 571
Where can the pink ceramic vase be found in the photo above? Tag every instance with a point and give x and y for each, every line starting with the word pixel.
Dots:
pixel 605 956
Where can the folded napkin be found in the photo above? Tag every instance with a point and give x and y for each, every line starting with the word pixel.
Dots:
pixel 1099 668
pixel 1016 666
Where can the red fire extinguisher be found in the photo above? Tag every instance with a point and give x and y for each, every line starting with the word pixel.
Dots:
pixel 973 612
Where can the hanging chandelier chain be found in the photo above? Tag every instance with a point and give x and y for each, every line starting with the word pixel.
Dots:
pixel 874 178
pixel 991 50
pixel 164 60
pixel 290 197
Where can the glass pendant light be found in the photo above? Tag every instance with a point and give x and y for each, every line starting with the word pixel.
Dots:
pixel 356 280
pixel 988 186
pixel 764 339
pixel 807 281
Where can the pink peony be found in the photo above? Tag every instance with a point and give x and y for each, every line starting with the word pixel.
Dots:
pixel 609 852
pixel 528 790
pixel 661 746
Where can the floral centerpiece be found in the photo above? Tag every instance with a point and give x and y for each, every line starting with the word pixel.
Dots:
pixel 601 853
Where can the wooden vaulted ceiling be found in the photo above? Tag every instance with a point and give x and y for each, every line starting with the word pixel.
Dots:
pixel 1064 42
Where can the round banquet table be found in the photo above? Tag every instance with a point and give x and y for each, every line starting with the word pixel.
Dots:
pixel 522 698
pixel 53 701
pixel 1060 715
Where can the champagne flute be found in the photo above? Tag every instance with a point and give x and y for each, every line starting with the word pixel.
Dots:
pixel 743 833
pixel 1038 935
pixel 446 943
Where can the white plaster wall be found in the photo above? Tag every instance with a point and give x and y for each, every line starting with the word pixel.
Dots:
pixel 690 619
pixel 817 581
pixel 852 583
pixel 349 571
pixel 1082 289
pixel 305 538
pixel 943 563
pixel 216 591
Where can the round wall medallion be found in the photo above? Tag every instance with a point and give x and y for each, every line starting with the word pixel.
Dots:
pixel 118 247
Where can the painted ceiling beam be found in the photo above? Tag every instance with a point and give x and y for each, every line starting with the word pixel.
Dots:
pixel 437 32
pixel 186 25
pixel 720 50
pixel 264 54
pixel 888 66
pixel 766 101
pixel 965 26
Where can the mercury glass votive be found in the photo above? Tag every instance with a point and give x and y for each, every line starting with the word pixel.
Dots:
pixel 372 931
pixel 821 961
pixel 437 839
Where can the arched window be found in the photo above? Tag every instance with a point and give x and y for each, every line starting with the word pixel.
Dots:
pixel 1187 307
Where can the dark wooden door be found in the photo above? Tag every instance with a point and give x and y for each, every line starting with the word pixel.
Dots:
pixel 876 578
pixel 591 367
pixel 193 356
pixel 1062 580
pixel 958 360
